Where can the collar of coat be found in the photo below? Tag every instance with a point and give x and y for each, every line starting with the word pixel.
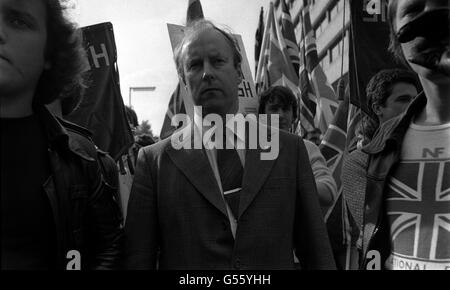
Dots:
pixel 392 131
pixel 64 136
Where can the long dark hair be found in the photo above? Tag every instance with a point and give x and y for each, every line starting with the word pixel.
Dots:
pixel 66 55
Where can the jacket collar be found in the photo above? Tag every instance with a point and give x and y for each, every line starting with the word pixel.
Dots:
pixel 196 167
pixel 58 136
pixel 394 130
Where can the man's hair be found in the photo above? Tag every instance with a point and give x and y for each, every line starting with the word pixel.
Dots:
pixel 281 95
pixel 66 55
pixel 378 90
pixel 394 45
pixel 199 26
pixel 131 116
pixel 380 85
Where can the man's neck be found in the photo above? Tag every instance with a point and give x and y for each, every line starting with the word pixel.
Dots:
pixel 16 106
pixel 437 110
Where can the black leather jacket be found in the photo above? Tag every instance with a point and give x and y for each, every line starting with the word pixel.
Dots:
pixel 86 214
pixel 384 152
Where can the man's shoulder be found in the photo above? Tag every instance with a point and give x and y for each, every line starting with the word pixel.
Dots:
pixel 290 140
pixel 79 139
pixel 157 148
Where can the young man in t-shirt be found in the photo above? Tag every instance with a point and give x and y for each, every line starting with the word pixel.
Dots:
pixel 407 204
pixel 280 100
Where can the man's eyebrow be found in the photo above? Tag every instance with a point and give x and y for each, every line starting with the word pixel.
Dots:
pixel 20 12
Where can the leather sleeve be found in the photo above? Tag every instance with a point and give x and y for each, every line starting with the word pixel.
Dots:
pixel 105 222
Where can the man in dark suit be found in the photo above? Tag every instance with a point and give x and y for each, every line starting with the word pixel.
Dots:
pixel 222 208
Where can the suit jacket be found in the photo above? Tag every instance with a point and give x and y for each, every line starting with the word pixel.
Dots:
pixel 177 216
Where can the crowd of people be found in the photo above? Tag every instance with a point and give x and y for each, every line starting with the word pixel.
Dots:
pixel 222 207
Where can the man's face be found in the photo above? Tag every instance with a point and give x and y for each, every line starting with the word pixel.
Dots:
pixel 210 73
pixel 285 114
pixel 396 103
pixel 23 37
pixel 406 11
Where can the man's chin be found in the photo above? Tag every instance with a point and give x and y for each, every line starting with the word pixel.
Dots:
pixel 216 107
pixel 431 75
pixel 213 108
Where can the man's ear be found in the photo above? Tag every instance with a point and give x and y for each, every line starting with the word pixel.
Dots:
pixel 376 109
pixel 240 74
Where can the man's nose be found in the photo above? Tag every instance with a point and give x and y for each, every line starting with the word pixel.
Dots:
pixel 208 71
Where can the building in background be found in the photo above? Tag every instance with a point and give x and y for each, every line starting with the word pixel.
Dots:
pixel 327 18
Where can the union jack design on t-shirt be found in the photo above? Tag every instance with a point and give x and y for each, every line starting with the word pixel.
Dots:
pixel 418 201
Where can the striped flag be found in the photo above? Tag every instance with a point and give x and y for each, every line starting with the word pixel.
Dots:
pixel 279 63
pixel 326 97
pixel 334 142
pixel 308 104
pixel 355 115
pixel 287 31
pixel 275 67
pixel 176 104
pixel 340 224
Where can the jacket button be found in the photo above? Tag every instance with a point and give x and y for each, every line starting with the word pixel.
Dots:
pixel 237 264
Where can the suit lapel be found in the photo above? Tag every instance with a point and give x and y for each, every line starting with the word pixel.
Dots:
pixel 256 172
pixel 195 166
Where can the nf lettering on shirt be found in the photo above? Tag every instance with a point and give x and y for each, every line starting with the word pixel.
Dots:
pixel 418 201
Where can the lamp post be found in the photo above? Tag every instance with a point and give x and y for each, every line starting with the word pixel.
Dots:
pixel 139 89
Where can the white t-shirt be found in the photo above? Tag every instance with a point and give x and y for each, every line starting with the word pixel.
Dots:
pixel 418 201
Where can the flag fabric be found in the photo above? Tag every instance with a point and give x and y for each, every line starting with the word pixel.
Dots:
pixel 326 97
pixel 176 106
pixel 369 39
pixel 308 106
pixel 288 33
pixel 340 223
pixel 258 38
pixel 334 142
pixel 194 11
pixel 102 110
pixel 274 66
pixel 355 115
pixel 176 103
pixel 279 61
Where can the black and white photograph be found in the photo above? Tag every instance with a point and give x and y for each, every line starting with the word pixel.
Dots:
pixel 225 140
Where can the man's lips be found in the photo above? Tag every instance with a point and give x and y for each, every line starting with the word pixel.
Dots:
pixel 4 58
pixel 207 90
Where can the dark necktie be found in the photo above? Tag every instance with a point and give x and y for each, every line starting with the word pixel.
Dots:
pixel 231 174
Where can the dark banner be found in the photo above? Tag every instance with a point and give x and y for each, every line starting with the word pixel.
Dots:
pixel 102 110
pixel 369 42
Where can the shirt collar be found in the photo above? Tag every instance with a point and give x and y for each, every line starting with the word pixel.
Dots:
pixel 239 134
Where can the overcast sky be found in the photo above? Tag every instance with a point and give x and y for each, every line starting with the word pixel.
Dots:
pixel 143 46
